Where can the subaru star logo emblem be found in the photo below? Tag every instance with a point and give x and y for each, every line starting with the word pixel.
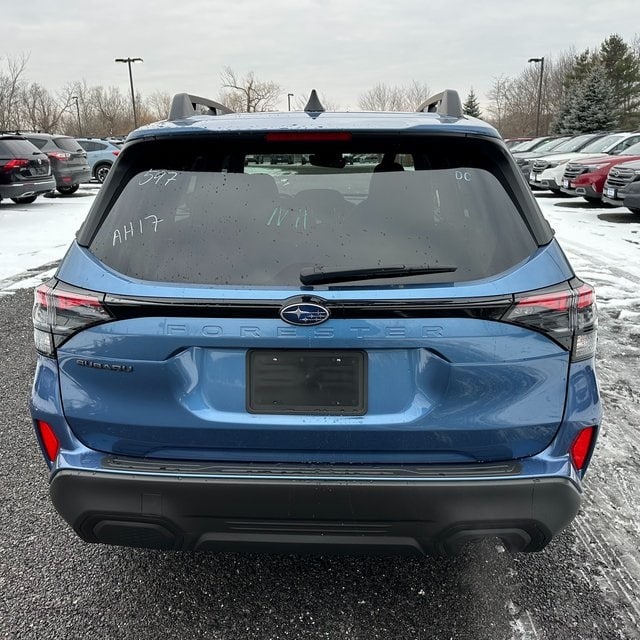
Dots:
pixel 302 313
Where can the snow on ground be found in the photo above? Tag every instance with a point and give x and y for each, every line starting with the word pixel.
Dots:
pixel 34 237
pixel 602 243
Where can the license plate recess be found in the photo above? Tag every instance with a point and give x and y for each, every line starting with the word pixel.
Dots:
pixel 307 381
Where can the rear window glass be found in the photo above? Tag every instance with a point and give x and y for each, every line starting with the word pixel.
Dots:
pixel 68 144
pixel 88 145
pixel 39 142
pixel 275 215
pixel 17 148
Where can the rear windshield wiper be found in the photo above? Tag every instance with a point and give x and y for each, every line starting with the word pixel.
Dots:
pixel 323 275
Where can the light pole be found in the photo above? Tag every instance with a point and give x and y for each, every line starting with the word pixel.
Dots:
pixel 75 98
pixel 541 61
pixel 133 95
pixel 289 96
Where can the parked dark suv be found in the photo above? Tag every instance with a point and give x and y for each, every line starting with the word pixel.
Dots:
pixel 392 355
pixel 25 172
pixel 68 160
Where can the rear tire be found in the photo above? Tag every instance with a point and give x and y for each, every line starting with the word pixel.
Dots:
pixel 101 172
pixel 25 199
pixel 67 191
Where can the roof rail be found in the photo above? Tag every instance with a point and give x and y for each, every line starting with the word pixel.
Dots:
pixel 446 103
pixel 184 105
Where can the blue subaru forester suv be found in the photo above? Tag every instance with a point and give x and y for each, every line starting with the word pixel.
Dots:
pixel 385 354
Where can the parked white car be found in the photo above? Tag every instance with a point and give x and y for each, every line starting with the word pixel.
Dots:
pixel 547 171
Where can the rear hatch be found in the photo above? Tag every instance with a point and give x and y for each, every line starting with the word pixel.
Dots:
pixel 400 309
pixel 72 155
pixel 21 161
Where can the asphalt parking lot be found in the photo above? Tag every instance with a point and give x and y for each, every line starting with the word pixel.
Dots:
pixel 585 585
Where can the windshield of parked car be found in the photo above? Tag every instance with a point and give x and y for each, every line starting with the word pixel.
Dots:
pixel 264 222
pixel 633 150
pixel 602 144
pixel 527 145
pixel 574 144
pixel 550 144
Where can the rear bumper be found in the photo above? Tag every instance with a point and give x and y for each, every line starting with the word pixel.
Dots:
pixel 27 187
pixel 72 175
pixel 315 509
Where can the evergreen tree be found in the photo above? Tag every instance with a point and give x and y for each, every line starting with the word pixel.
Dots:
pixel 471 107
pixel 590 108
pixel 622 68
pixel 557 125
pixel 582 65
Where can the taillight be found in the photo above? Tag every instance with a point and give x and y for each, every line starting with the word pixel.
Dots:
pixel 49 440
pixel 116 153
pixel 581 447
pixel 59 155
pixel 567 314
pixel 16 163
pixel 61 311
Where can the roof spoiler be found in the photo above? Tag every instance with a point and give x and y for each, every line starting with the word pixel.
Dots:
pixel 446 103
pixel 184 105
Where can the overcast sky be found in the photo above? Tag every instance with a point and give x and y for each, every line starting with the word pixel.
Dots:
pixel 340 47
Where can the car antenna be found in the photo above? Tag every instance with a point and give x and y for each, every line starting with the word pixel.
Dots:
pixel 314 105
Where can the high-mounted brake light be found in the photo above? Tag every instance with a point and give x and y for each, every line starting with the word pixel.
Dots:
pixel 581 447
pixel 59 312
pixel 566 314
pixel 308 136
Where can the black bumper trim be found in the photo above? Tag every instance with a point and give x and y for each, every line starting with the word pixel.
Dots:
pixel 311 471
pixel 297 515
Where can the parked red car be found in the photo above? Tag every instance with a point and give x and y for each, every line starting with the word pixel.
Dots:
pixel 586 178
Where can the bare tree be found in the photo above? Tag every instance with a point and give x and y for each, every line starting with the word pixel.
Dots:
pixel 383 97
pixel 249 94
pixel 77 119
pixel 112 112
pixel 41 111
pixel 155 107
pixel 415 94
pixel 499 95
pixel 11 84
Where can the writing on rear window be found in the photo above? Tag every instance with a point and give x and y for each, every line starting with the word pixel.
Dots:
pixel 128 231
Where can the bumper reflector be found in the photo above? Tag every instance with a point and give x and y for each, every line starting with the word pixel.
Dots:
pixel 49 440
pixel 581 447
